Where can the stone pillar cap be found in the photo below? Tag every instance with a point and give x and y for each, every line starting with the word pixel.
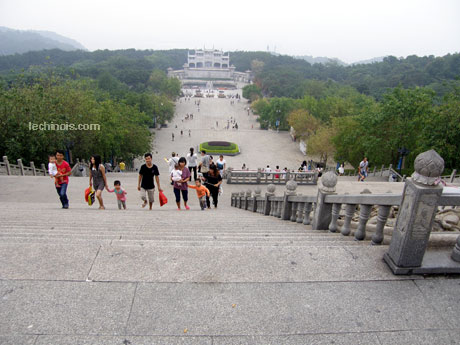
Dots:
pixel 428 166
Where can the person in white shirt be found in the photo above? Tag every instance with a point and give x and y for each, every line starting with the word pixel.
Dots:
pixel 176 174
pixel 172 162
pixel 192 162
pixel 221 165
pixel 268 169
pixel 52 168
pixel 341 170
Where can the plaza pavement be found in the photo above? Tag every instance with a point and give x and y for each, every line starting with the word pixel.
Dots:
pixel 223 276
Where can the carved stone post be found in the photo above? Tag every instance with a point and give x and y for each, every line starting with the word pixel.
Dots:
pixel 456 252
pixel 241 205
pixel 306 214
pixel 268 209
pixel 257 193
pixel 229 175
pixel 246 199
pixel 259 175
pixel 349 212
pixel 300 209
pixel 335 215
pixel 21 166
pixel 32 165
pixel 382 216
pixel 294 211
pixel 291 186
pixel 323 211
pixel 452 176
pixel 7 165
pixel 364 213
pixel 417 211
pixel 43 168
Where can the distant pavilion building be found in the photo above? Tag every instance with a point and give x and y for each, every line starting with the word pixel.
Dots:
pixel 209 65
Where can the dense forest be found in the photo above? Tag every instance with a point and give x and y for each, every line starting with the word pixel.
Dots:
pixel 277 76
pixel 343 112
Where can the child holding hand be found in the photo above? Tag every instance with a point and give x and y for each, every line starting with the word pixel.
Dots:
pixel 120 193
pixel 201 192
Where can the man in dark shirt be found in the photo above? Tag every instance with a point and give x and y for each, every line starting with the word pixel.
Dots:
pixel 145 183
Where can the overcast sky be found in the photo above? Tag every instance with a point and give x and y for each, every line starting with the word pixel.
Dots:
pixel 347 29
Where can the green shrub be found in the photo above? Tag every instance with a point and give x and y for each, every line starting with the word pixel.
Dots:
pixel 220 147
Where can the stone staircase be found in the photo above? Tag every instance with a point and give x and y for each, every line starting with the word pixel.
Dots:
pixel 194 228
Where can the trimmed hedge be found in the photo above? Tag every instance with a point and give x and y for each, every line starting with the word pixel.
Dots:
pixel 220 147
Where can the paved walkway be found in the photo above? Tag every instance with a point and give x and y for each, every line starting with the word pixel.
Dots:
pixel 258 147
pixel 225 276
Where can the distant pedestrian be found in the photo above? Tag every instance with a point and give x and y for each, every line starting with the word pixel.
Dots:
pixel 189 133
pixel 63 173
pixel 172 136
pixel 181 132
pixel 204 164
pixel 146 184
pixel 341 170
pixel 192 162
pixel 97 178
pixel 172 162
pixel 278 171
pixel 213 180
pixel 221 165
pixel 181 186
pixel 363 169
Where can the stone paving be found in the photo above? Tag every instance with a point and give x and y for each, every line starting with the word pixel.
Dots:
pixel 224 276
pixel 258 147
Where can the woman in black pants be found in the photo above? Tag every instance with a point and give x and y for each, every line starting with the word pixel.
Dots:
pixel 212 181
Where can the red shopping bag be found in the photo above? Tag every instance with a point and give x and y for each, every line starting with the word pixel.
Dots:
pixel 163 199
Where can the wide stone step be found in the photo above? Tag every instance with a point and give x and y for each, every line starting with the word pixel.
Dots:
pixel 137 243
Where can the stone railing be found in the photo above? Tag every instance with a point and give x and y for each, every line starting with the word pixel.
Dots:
pixel 261 177
pixel 417 206
pixel 81 168
pixel 6 168
pixel 453 177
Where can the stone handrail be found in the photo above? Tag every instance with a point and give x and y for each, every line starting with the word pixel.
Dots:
pixel 262 177
pixel 6 168
pixel 452 177
pixel 417 207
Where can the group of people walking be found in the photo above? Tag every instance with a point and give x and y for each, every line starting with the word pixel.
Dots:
pixel 206 175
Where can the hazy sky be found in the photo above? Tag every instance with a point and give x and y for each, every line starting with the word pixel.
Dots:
pixel 347 29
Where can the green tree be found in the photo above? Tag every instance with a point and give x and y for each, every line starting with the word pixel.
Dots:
pixel 321 143
pixel 252 92
pixel 303 123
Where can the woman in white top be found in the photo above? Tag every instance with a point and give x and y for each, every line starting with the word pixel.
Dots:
pixel 221 165
pixel 192 162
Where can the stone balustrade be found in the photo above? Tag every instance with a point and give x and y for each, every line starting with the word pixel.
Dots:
pixel 261 177
pixel 6 168
pixel 417 207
